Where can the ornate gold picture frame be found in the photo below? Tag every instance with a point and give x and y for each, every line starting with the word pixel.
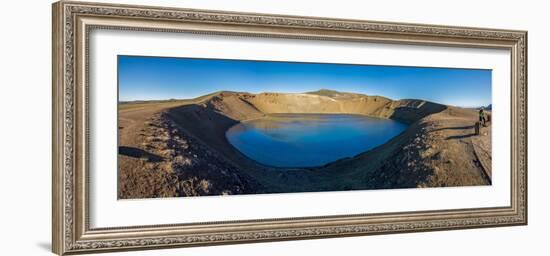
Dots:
pixel 72 24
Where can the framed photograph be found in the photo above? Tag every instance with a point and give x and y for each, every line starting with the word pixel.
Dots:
pixel 179 127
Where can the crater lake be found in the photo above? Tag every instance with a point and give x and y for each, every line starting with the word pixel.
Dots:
pixel 309 140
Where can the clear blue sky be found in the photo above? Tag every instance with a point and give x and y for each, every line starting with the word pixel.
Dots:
pixel 155 78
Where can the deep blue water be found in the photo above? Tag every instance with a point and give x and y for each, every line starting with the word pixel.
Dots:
pixel 307 140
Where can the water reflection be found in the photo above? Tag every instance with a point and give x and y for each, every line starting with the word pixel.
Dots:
pixel 303 140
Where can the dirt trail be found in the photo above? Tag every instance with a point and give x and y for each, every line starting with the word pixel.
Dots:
pixel 483 150
pixel 452 151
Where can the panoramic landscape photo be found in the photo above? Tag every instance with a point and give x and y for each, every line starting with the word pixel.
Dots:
pixel 200 127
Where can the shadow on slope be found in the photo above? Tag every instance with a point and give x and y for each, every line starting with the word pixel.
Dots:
pixel 413 110
pixel 139 153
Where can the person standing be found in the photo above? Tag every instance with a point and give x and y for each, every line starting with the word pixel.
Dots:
pixel 482 116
